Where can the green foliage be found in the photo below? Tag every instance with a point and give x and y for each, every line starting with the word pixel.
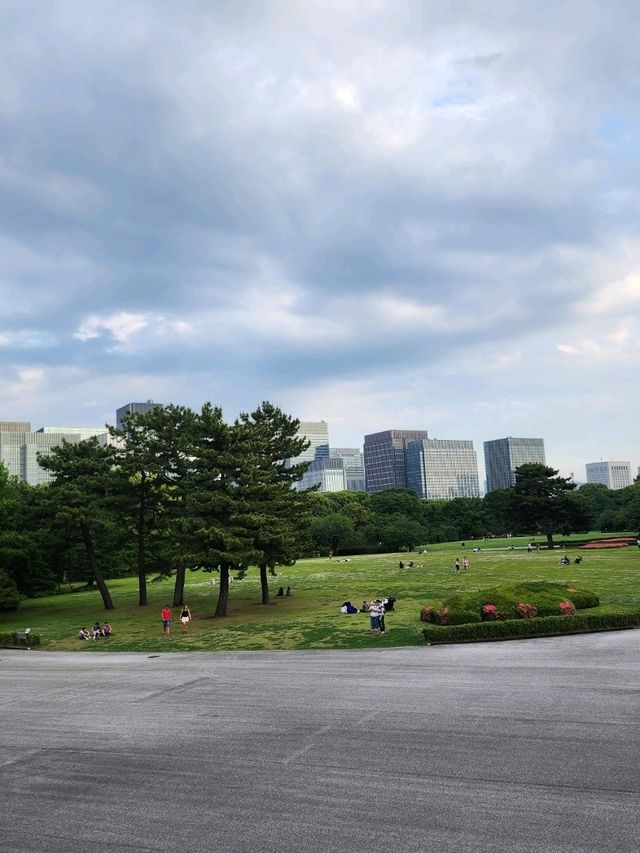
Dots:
pixel 9 595
pixel 9 641
pixel 539 627
pixel 544 596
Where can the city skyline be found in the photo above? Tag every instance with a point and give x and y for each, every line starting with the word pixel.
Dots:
pixel 391 215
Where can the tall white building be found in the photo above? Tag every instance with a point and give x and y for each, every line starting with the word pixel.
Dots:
pixel 328 474
pixel 19 448
pixel 317 434
pixel 442 469
pixel 614 475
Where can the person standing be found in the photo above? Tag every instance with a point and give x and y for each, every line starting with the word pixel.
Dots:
pixel 374 615
pixel 166 620
pixel 185 618
pixel 465 564
pixel 457 565
pixel 381 610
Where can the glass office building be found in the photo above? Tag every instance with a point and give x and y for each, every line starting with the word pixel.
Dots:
pixel 385 465
pixel 614 475
pixel 317 434
pixel 442 469
pixel 326 473
pixel 503 455
pixel 353 461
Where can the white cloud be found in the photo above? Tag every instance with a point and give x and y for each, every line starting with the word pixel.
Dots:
pixel 121 326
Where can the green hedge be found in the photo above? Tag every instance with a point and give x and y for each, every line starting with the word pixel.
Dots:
pixel 539 627
pixel 9 641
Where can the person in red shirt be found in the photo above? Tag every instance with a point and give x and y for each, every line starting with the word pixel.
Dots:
pixel 166 620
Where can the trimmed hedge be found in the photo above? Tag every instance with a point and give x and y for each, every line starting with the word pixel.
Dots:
pixel 8 641
pixel 539 627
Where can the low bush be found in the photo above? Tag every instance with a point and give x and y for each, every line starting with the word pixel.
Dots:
pixel 537 627
pixel 9 595
pixel 567 608
pixel 9 641
pixel 527 611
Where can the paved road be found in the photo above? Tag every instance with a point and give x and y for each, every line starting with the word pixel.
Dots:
pixel 522 746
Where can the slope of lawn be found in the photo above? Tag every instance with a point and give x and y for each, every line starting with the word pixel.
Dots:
pixel 311 618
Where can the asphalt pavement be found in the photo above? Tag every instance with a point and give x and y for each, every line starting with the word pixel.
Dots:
pixel 517 746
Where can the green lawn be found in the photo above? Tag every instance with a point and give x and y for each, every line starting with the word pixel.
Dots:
pixel 311 618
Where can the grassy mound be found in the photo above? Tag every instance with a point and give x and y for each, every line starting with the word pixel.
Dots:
pixel 524 600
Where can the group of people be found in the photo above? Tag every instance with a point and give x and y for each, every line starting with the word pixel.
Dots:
pixel 185 618
pixel 409 564
pixel 564 560
pixel 281 593
pixel 97 631
pixel 465 564
pixel 376 610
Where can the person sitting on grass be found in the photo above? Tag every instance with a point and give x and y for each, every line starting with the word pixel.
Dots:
pixel 96 631
pixel 83 634
pixel 106 630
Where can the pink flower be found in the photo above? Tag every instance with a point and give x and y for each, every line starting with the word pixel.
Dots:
pixel 527 611
pixel 567 608
pixel 490 612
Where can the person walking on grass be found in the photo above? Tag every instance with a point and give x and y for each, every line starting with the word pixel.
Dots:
pixel 166 620
pixel 457 565
pixel 465 564
pixel 185 618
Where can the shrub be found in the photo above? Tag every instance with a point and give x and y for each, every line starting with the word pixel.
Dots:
pixel 427 614
pixel 462 617
pixel 490 612
pixel 567 608
pixel 527 611
pixel 442 616
pixel 9 641
pixel 538 627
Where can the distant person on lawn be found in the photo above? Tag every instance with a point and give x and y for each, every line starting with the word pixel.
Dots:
pixel 83 634
pixel 166 620
pixel 185 618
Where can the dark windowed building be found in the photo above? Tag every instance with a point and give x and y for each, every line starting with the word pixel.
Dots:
pixel 385 458
pixel 503 455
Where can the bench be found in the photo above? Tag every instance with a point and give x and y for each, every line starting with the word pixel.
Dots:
pixel 23 637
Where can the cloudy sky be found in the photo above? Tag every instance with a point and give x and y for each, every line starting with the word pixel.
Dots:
pixel 380 213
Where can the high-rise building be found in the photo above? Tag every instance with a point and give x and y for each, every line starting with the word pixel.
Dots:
pixel 442 469
pixel 138 408
pixel 327 473
pixel 614 475
pixel 503 455
pixel 353 461
pixel 317 434
pixel 385 465
pixel 19 449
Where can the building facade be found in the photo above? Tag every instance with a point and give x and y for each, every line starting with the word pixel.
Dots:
pixel 19 449
pixel 385 463
pixel 442 469
pixel 326 473
pixel 353 461
pixel 138 408
pixel 614 475
pixel 317 434
pixel 503 455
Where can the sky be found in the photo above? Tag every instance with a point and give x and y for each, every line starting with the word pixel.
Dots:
pixel 385 215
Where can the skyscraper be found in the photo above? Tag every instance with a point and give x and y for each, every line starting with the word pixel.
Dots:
pixel 138 408
pixel 503 455
pixel 442 469
pixel 327 473
pixel 385 464
pixel 353 461
pixel 317 434
pixel 615 475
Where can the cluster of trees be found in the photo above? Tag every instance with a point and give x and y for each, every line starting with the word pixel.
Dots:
pixel 179 490
pixel 175 489
pixel 541 503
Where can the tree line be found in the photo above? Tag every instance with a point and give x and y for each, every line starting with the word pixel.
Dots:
pixel 174 489
pixel 179 490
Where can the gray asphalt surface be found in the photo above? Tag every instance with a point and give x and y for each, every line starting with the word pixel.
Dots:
pixel 520 746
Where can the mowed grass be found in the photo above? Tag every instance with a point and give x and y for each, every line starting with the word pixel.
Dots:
pixel 311 618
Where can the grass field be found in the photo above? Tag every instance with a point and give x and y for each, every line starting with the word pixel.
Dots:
pixel 311 618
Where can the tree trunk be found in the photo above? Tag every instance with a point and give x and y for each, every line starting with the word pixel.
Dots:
pixel 264 584
pixel 223 595
pixel 178 589
pixel 142 572
pixel 97 574
pixel 550 540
